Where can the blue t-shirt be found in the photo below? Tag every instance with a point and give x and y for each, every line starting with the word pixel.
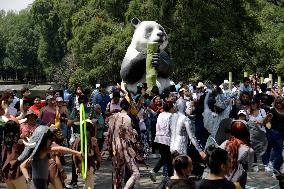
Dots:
pixel 102 100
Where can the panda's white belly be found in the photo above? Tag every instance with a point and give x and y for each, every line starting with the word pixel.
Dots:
pixel 162 83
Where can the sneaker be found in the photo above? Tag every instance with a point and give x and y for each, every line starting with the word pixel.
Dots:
pixel 153 176
pixel 255 168
pixel 72 185
pixel 267 168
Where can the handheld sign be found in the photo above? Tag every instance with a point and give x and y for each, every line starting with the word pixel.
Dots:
pixel 83 140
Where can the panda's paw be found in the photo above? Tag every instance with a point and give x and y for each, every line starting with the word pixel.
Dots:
pixel 155 60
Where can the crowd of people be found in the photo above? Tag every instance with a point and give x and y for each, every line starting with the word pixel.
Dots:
pixel 211 132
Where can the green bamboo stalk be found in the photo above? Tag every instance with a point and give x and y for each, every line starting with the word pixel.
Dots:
pixel 151 72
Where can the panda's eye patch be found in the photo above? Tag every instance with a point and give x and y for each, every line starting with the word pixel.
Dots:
pixel 162 29
pixel 149 29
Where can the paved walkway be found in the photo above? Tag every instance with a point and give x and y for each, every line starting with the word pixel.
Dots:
pixel 259 180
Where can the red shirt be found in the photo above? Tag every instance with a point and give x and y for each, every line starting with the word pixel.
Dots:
pixel 35 109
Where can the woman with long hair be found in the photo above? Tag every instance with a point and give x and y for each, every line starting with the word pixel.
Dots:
pixel 275 123
pixel 35 155
pixel 47 114
pixel 5 100
pixel 238 147
pixel 258 138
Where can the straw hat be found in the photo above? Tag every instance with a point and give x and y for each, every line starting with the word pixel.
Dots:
pixel 200 85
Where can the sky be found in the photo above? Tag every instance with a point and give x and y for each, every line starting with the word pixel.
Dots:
pixel 15 5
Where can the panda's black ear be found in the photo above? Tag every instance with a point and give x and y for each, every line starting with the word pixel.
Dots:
pixel 135 22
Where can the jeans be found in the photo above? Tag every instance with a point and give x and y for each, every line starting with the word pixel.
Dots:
pixel 276 138
pixel 267 156
pixel 165 159
pixel 64 129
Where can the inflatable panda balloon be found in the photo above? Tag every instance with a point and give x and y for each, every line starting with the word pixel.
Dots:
pixel 133 68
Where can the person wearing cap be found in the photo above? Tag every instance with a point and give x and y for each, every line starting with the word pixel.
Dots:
pixel 37 105
pixel 242 115
pixel 29 126
pixel 48 113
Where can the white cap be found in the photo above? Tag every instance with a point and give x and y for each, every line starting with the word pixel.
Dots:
pixel 266 80
pixel 242 112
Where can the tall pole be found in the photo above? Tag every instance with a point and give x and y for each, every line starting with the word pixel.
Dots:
pixel 279 84
pixel 271 81
pixel 261 80
pixel 230 80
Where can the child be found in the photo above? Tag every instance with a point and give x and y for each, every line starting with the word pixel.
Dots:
pixel 94 157
pixel 11 149
pixel 36 155
pixel 219 164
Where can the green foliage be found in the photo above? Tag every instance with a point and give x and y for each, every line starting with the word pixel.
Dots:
pixel 84 41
